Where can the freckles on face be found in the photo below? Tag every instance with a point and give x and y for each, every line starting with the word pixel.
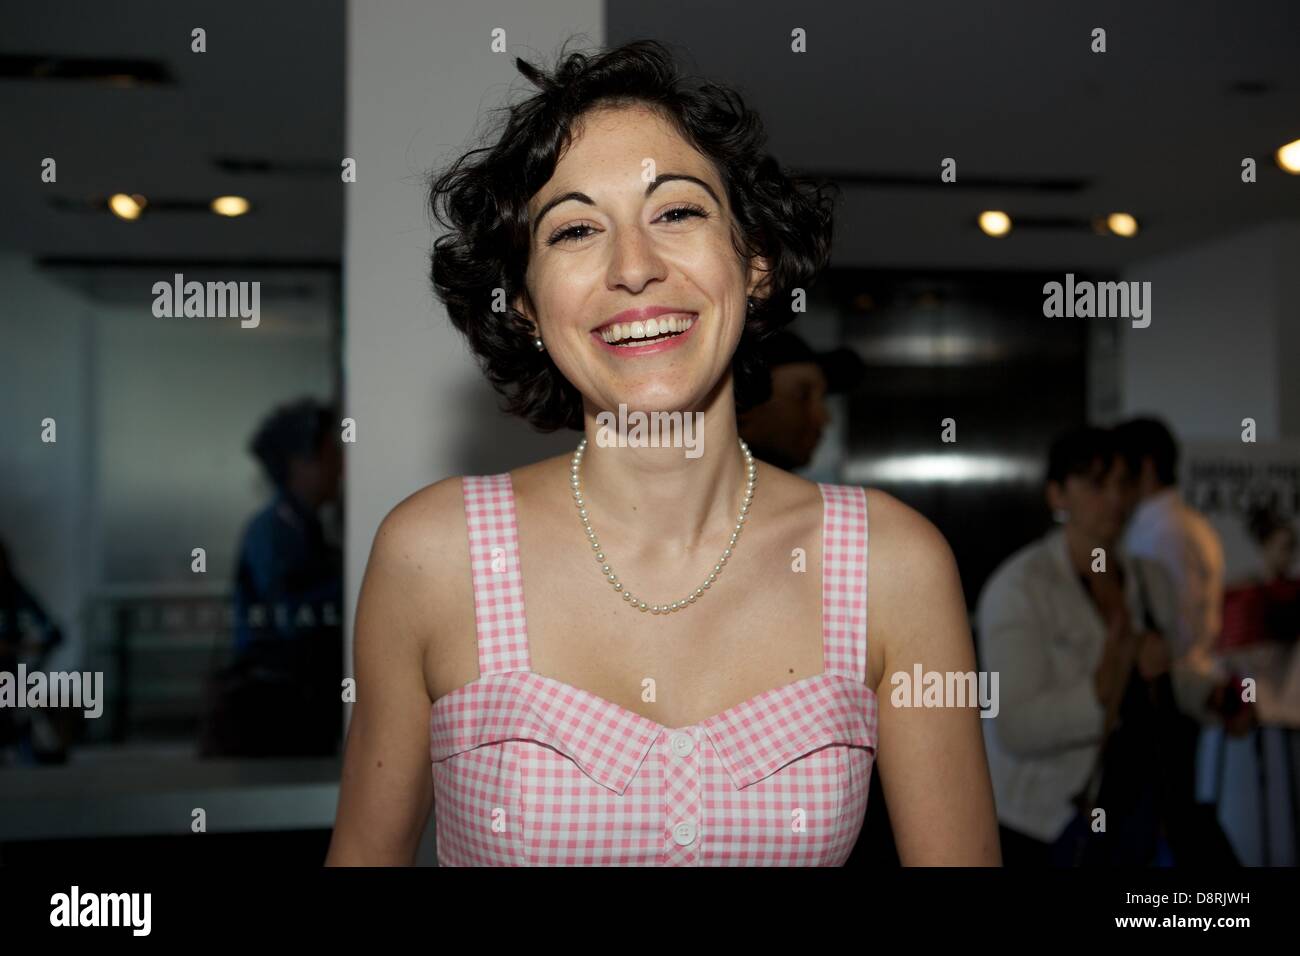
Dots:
pixel 638 291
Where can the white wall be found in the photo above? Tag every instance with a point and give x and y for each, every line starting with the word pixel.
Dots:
pixel 1219 347
pixel 420 76
pixel 1287 253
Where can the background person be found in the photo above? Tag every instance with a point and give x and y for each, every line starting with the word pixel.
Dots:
pixel 1264 607
pixel 1074 650
pixel 1165 529
pixel 787 427
pixel 282 694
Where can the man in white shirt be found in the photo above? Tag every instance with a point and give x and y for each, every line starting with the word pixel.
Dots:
pixel 1165 529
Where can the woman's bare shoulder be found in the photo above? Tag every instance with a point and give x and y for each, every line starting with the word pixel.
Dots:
pixel 427 531
pixel 418 582
pixel 419 561
pixel 420 531
pixel 912 576
pixel 908 538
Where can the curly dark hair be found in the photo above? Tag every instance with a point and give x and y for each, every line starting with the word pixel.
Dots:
pixel 482 200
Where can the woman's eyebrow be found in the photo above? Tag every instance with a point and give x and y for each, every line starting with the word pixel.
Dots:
pixel 654 184
pixel 555 201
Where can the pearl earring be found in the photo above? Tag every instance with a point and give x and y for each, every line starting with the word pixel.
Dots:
pixel 539 345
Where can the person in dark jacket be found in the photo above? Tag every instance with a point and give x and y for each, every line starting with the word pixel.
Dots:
pixel 282 693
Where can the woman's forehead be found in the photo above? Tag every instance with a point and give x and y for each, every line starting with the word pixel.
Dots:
pixel 627 141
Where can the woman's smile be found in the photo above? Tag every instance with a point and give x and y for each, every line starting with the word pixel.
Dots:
pixel 650 336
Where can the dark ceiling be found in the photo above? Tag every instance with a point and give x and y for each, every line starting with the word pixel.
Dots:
pixel 270 90
pixel 1038 124
pixel 1157 125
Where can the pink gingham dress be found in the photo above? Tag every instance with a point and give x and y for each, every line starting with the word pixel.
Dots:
pixel 530 771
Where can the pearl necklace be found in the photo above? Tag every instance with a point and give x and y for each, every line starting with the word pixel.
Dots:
pixel 752 471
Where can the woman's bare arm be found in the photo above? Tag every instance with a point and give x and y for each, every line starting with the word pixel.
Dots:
pixel 932 764
pixel 386 791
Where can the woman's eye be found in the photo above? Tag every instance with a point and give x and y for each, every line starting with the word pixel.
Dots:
pixel 686 212
pixel 564 235
pixel 680 214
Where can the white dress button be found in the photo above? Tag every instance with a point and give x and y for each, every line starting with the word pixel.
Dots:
pixel 684 833
pixel 682 743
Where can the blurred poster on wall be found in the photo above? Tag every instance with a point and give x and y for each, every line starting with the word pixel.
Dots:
pixel 1250 492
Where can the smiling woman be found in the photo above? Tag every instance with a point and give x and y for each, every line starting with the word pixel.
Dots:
pixel 624 242
pixel 686 165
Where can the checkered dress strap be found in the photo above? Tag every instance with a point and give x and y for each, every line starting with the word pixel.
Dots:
pixel 498 584
pixel 844 580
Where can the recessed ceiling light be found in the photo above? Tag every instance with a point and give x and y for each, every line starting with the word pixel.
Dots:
pixel 1122 224
pixel 1288 157
pixel 995 222
pixel 230 205
pixel 127 207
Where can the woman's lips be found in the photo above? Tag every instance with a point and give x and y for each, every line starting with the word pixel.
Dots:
pixel 648 348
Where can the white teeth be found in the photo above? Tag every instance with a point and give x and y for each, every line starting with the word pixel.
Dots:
pixel 622 332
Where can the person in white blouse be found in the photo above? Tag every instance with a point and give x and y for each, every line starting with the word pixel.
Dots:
pixel 1067 638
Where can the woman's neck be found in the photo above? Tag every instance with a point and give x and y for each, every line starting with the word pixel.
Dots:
pixel 665 501
pixel 1080 545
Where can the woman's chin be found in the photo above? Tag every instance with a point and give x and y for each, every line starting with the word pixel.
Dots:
pixel 656 400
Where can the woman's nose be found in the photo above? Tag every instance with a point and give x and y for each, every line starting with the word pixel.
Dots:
pixel 634 261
